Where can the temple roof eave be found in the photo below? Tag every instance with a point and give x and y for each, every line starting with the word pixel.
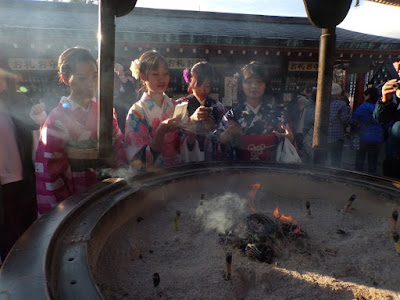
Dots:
pixel 52 34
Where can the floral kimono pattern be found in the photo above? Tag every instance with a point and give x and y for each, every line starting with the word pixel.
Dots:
pixel 205 138
pixel 254 126
pixel 65 162
pixel 141 125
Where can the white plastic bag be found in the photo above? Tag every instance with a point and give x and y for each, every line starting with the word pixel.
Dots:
pixel 188 156
pixel 287 153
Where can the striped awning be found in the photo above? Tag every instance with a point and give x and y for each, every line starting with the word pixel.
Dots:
pixel 387 2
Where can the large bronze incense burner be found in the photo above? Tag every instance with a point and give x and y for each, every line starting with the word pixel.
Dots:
pixel 65 253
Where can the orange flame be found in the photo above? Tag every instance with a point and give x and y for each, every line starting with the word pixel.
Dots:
pixel 282 217
pixel 252 194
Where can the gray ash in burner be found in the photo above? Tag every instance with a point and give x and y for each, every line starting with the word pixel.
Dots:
pixel 362 263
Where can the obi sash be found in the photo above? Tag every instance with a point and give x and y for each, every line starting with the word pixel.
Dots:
pixel 256 147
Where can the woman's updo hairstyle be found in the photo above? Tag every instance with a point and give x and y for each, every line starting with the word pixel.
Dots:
pixel 148 61
pixel 70 58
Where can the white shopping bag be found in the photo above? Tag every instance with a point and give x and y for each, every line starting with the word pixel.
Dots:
pixel 287 153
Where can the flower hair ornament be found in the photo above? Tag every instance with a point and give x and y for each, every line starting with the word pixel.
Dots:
pixel 186 75
pixel 135 68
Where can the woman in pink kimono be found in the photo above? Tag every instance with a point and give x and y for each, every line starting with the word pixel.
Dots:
pixel 66 155
pixel 151 133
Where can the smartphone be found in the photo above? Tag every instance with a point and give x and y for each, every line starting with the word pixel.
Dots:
pixel 393 74
pixel 180 110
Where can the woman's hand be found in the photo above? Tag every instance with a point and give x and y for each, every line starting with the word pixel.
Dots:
pixel 38 113
pixel 286 133
pixel 202 113
pixel 388 90
pixel 166 126
pixel 231 131
pixel 170 124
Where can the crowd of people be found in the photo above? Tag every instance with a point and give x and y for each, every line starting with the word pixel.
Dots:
pixel 147 134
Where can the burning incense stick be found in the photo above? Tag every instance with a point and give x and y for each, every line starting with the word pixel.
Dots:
pixel 396 239
pixel 228 266
pixel 158 293
pixel 348 203
pixel 308 205
pixel 176 221
pixel 395 216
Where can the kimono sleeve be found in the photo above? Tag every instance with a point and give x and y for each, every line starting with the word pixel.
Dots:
pixel 53 172
pixel 218 112
pixel 223 123
pixel 118 143
pixel 137 139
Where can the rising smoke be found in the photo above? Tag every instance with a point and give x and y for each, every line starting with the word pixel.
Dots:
pixel 222 212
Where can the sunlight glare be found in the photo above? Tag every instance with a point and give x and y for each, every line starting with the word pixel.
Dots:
pixel 373 18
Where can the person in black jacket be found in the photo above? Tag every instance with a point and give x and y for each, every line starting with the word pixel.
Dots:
pixel 387 111
pixel 18 208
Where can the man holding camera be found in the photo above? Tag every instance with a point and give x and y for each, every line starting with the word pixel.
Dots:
pixel 387 110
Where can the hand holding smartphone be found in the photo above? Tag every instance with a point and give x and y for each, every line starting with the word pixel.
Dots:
pixel 202 113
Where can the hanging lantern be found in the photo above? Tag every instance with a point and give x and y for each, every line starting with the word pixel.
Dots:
pixel 123 7
pixel 327 13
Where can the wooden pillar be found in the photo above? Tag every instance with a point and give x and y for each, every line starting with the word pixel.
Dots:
pixel 325 73
pixel 106 47
pixel 359 92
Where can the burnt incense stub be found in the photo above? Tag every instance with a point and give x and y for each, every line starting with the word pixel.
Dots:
pixel 349 203
pixel 156 279
pixel 396 239
pixel 395 215
pixel 308 207
pixel 201 200
pixel 176 220
pixel 228 259
pixel 158 292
